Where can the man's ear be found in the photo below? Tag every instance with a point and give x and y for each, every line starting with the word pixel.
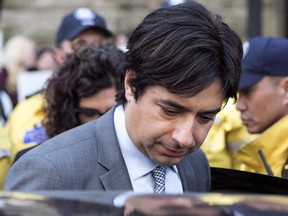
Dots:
pixel 129 91
pixel 284 86
pixel 58 56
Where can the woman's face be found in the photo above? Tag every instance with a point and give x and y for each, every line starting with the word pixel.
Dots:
pixel 93 107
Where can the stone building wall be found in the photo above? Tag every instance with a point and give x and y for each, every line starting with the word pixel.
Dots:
pixel 40 18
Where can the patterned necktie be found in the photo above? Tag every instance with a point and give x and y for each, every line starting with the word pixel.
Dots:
pixel 158 175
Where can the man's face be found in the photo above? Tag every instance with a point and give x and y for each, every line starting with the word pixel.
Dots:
pixel 93 107
pixel 90 36
pixel 166 127
pixel 261 105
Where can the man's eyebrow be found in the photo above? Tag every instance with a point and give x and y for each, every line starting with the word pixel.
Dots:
pixel 211 112
pixel 173 104
pixel 180 107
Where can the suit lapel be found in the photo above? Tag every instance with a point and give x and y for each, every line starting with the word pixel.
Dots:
pixel 110 156
pixel 117 178
pixel 187 176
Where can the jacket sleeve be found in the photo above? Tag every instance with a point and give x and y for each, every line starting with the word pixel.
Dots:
pixel 33 172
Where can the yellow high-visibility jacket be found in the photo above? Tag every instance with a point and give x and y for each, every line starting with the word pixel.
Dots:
pixel 273 143
pixel 24 125
pixel 225 137
pixel 5 155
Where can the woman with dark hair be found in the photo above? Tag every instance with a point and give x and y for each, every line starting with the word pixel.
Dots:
pixel 83 89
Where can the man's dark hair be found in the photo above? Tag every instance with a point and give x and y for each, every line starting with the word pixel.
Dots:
pixel 85 72
pixel 183 48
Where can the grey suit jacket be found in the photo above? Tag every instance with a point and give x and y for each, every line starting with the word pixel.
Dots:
pixel 88 157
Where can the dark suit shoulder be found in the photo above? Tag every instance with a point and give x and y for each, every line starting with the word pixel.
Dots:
pixel 199 161
pixel 75 136
pixel 195 171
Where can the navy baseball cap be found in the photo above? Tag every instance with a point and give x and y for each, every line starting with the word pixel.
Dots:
pixel 263 56
pixel 77 21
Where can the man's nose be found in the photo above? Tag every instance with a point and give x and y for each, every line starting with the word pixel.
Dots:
pixel 240 105
pixel 183 134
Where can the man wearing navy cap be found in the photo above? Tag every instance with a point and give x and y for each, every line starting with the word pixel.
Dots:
pixel 82 24
pixel 263 103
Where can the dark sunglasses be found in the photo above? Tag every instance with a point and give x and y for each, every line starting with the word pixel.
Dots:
pixel 88 112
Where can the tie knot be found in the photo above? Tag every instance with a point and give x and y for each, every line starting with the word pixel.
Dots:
pixel 158 175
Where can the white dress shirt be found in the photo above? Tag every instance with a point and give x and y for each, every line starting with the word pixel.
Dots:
pixel 139 165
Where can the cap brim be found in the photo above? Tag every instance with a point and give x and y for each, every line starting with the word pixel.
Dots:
pixel 81 29
pixel 248 79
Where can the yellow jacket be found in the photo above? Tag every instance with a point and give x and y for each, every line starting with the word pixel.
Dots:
pixel 5 154
pixel 24 125
pixel 225 137
pixel 274 145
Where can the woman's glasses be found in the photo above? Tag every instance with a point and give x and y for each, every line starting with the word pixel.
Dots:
pixel 89 112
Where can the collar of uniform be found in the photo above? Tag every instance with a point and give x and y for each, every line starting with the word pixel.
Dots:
pixel 274 144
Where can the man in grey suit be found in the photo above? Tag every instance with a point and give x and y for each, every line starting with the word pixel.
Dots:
pixel 182 63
